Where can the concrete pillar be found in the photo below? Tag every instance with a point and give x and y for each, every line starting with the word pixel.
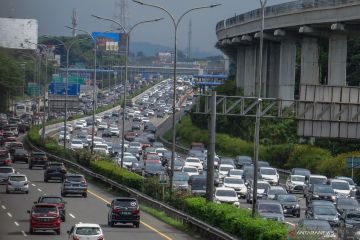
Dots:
pixel 240 67
pixel 250 68
pixel 272 82
pixel 309 61
pixel 287 66
pixel 337 60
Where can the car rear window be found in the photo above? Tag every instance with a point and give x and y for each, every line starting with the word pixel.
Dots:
pixel 6 170
pixel 51 200
pixel 125 203
pixel 45 209
pixel 75 178
pixel 17 178
pixel 88 231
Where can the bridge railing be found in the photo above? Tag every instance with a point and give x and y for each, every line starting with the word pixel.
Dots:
pixel 280 9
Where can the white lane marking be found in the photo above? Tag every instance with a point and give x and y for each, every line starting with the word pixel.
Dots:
pixel 3 207
pixel 291 224
pixel 33 185
pixel 71 215
pixel 24 233
pixel 39 190
pixel 9 214
pixel 16 223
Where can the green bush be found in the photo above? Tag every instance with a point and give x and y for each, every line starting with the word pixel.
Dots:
pixel 112 171
pixel 33 135
pixel 235 221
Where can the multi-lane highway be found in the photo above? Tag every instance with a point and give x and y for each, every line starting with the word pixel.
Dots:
pixel 93 209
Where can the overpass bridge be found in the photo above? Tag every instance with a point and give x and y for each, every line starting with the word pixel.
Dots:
pixel 298 23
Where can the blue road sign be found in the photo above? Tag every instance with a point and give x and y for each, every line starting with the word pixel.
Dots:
pixel 353 162
pixel 59 89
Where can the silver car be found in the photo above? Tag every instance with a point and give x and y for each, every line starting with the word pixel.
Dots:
pixel 5 172
pixel 17 183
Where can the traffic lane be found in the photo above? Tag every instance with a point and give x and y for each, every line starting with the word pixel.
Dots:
pixel 19 204
pixel 94 209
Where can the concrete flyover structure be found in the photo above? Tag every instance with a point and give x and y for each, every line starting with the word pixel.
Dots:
pixel 289 27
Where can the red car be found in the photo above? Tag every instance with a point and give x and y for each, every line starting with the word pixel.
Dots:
pixel 44 217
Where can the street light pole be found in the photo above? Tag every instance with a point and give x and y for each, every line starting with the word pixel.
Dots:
pixel 94 85
pixel 127 32
pixel 176 24
pixel 258 111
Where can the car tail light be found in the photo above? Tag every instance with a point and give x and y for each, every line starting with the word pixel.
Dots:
pixel 9 183
pixel 76 238
pixel 136 212
pixel 101 237
pixel 26 183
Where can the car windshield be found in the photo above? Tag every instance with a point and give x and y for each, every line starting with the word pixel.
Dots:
pixel 188 169
pixel 233 181
pixel 353 216
pixel 6 170
pixel 263 185
pixel 325 210
pixel 17 178
pixel 287 198
pixel 347 202
pixel 315 180
pixel 268 171
pixel 323 188
pixel 45 209
pixel 51 200
pixel 350 181
pixel 302 172
pixel 181 177
pixel 125 203
pixel 236 172
pixel 193 160
pixel 88 231
pixel 154 167
pixel 75 178
pixel 276 191
pixel 316 225
pixel 298 178
pixel 225 168
pixel 269 208
pixel 340 185
pixel 130 159
pixel 76 142
pixel 226 193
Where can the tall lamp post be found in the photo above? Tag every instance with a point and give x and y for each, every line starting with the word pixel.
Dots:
pixel 258 111
pixel 94 84
pixel 127 32
pixel 176 24
pixel 67 48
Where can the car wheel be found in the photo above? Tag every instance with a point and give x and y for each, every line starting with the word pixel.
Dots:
pixel 111 224
pixel 46 180
pixel 63 218
pixel 31 230
pixel 85 195
pixel 27 192
pixel 136 224
pixel 7 191
pixel 30 167
pixel 57 231
pixel 298 215
pixel 63 194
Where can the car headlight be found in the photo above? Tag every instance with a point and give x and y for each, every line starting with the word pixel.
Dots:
pixel 333 198
pixel 297 206
pixel 316 196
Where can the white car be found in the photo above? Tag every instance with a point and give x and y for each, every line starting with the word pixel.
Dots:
pixel 17 183
pixel 194 162
pixel 76 144
pixel 224 169
pixel 151 112
pixel 103 146
pixel 128 161
pixel 341 188
pixel 237 184
pixel 145 120
pixel 226 195
pixel 295 183
pixel 102 126
pixel 190 170
pixel 115 131
pixel 160 151
pixel 270 175
pixel 78 125
pixel 61 136
pixel 88 231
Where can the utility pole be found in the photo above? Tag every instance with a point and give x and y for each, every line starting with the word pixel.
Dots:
pixel 211 152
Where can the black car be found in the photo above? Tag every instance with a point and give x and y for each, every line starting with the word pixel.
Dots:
pixel 290 204
pixel 54 171
pixel 346 204
pixel 124 210
pixel 160 114
pixel 136 125
pixel 38 159
pixel 20 155
pixel 349 224
pixel 313 229
pixel 57 200
pixel 320 192
pixel 324 210
pixel 107 133
pixel 152 169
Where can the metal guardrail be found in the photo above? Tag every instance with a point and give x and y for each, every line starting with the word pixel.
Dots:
pixel 212 232
pixel 280 9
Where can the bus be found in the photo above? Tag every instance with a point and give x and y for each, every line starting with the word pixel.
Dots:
pixel 20 109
